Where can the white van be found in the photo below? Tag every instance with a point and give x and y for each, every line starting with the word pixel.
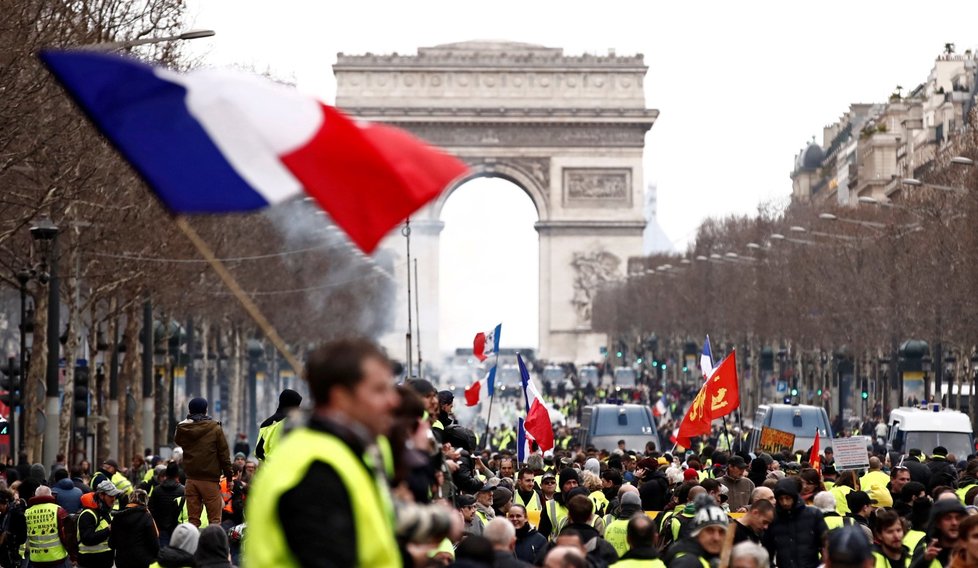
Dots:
pixel 925 429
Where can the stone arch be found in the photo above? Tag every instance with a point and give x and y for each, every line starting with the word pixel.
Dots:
pixel 510 172
pixel 569 130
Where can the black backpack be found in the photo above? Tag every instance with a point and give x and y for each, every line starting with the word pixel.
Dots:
pixel 460 437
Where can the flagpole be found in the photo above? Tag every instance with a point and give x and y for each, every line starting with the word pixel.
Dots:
pixel 406 231
pixel 417 315
pixel 492 396
pixel 246 302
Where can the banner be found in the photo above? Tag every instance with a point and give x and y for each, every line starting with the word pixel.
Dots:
pixel 773 441
pixel 913 388
pixel 850 453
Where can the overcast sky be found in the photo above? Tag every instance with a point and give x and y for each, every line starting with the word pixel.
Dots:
pixel 740 90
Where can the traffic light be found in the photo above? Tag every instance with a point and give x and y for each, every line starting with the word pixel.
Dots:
pixel 685 369
pixel 639 360
pixel 618 354
pixel 794 391
pixel 865 394
pixel 81 391
pixel 819 391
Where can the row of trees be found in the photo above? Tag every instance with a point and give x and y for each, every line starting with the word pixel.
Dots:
pixel 117 246
pixel 804 283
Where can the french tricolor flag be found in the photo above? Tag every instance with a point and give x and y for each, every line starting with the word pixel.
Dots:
pixel 214 141
pixel 481 389
pixel 487 343
pixel 538 425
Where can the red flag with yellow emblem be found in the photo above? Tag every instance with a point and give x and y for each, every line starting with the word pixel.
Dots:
pixel 723 390
pixel 718 397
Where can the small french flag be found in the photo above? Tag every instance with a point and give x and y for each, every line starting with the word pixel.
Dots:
pixel 215 141
pixel 706 359
pixel 474 393
pixel 486 343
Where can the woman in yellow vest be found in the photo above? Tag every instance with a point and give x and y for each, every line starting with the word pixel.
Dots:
pixel 847 482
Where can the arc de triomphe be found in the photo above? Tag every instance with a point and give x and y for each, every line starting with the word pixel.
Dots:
pixel 568 130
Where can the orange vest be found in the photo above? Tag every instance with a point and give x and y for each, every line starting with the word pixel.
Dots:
pixel 226 495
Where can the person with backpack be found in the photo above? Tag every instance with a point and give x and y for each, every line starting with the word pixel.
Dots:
pixel 92 533
pixel 133 534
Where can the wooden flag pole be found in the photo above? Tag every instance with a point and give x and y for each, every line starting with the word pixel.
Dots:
pixel 246 302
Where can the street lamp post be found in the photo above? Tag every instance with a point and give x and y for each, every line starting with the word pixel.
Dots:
pixel 148 414
pixel 45 233
pixel 16 391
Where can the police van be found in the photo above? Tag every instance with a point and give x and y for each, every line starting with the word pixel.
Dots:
pixel 799 419
pixel 602 425
pixel 926 428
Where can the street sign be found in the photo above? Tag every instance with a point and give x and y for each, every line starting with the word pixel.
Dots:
pixel 773 441
pixel 850 453
pixel 782 386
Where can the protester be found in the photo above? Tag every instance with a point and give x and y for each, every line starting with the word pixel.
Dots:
pixel 183 544
pixel 46 536
pixel 65 493
pixel 474 524
pixel 797 534
pixel 166 503
pixel 333 464
pixel 616 532
pixel 94 526
pixel 529 542
pixel 748 554
pixel 13 527
pixel 502 535
pixel 848 547
pixel 754 523
pixel 133 534
pixel 641 551
pixel 212 548
pixel 966 554
pixel 740 487
pixel 889 528
pixel 205 458
pixel 935 548
pixel 705 541
pixel 270 430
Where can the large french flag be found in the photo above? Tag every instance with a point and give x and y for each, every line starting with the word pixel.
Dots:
pixel 538 426
pixel 215 141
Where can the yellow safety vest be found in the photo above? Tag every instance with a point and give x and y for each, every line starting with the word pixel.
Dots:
pixel 184 517
pixel 835 522
pixel 963 492
pixel 828 485
pixel 840 492
pixel 600 502
pixel 149 475
pixel 884 562
pixel 636 563
pixel 121 483
pixel 100 524
pixel 534 503
pixel 373 514
pixel 702 560
pixel 877 478
pixel 616 533
pixel 268 436
pixel 911 539
pixel 43 539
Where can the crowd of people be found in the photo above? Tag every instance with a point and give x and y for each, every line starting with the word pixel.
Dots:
pixel 378 474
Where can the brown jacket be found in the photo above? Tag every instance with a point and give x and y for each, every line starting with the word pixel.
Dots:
pixel 205 450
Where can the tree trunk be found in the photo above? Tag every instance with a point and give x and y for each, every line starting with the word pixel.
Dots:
pixel 130 388
pixel 34 387
pixel 234 392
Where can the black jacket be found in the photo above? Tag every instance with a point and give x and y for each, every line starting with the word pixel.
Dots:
pixel 164 504
pixel 134 538
pixel 795 537
pixel 317 513
pixel 506 559
pixel 175 558
pixel 938 510
pixel 212 548
pixel 686 553
pixel 919 472
pixel 654 492
pixel 529 542
pixel 942 472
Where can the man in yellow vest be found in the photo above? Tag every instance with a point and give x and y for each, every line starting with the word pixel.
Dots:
pixel 46 531
pixel 325 495
pixel 618 530
pixel 934 550
pixel 888 532
pixel 93 527
pixel 526 494
pixel 271 429
pixel 641 551
pixel 874 476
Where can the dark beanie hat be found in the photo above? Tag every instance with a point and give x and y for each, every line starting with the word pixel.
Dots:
pixel 198 406
pixel 289 399
pixel 567 474
pixel 446 397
